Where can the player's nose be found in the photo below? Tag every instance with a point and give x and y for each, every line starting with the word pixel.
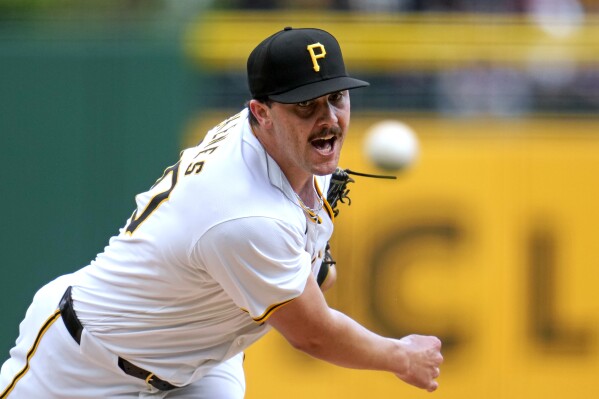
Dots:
pixel 328 114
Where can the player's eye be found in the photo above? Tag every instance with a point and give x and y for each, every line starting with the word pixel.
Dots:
pixel 334 97
pixel 304 104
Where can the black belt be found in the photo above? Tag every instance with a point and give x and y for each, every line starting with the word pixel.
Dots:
pixel 75 328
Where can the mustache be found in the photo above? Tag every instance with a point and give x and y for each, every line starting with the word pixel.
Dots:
pixel 335 130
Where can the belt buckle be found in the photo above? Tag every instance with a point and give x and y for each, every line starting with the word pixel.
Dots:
pixel 150 379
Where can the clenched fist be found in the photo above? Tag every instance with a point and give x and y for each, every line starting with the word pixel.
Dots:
pixel 423 359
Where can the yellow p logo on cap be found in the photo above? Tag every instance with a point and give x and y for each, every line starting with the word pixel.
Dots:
pixel 315 56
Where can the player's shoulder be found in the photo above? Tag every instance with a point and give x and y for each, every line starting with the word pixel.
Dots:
pixel 216 139
pixel 230 176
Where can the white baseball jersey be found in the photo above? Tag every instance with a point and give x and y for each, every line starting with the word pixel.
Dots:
pixel 214 247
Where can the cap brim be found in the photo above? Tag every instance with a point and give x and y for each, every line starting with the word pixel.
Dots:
pixel 318 89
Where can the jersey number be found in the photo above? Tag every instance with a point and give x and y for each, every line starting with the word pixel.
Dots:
pixel 157 200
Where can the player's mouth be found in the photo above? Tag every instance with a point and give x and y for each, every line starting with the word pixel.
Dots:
pixel 325 145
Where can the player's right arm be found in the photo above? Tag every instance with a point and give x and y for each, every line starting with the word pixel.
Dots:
pixel 311 326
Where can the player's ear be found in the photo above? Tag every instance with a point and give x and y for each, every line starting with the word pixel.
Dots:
pixel 261 112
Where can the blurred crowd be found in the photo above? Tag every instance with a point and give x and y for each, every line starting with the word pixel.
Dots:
pixel 506 6
pixel 480 87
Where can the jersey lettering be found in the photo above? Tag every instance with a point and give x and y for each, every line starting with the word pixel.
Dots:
pixel 220 134
pixel 194 168
pixel 164 184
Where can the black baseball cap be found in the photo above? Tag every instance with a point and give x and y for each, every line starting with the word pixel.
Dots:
pixel 295 65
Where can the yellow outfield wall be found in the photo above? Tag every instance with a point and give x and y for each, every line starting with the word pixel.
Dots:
pixel 489 241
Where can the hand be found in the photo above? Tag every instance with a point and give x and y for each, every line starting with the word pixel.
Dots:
pixel 424 357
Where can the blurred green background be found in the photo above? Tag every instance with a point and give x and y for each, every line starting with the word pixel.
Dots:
pixel 98 97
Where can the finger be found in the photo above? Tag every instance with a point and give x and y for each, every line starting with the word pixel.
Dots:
pixel 433 386
pixel 436 372
pixel 440 358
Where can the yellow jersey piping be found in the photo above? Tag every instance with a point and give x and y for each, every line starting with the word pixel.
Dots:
pixel 327 206
pixel 31 352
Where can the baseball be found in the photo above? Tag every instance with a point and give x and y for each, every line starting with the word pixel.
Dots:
pixel 391 145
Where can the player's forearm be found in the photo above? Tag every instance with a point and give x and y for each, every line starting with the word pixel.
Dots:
pixel 342 341
pixel 311 326
pixel 415 359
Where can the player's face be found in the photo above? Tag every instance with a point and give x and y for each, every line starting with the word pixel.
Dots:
pixel 308 136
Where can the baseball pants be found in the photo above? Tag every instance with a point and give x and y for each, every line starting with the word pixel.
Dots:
pixel 47 362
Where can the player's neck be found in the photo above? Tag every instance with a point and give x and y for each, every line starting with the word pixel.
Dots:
pixel 300 180
pixel 307 193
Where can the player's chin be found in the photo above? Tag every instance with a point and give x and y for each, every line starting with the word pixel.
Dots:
pixel 324 168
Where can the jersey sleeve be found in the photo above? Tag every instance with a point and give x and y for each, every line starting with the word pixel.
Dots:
pixel 260 262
